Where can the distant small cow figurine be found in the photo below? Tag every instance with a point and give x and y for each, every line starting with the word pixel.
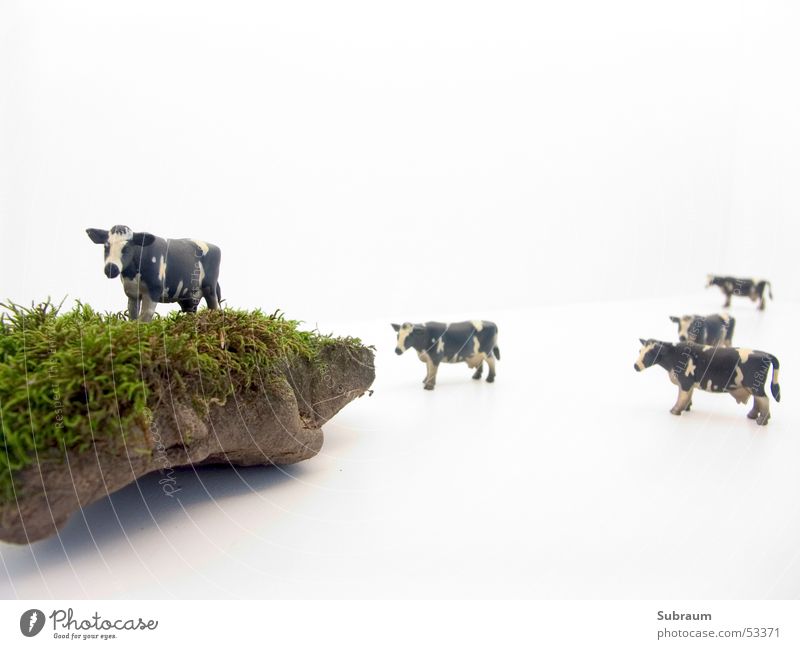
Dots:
pixel 755 289
pixel 470 342
pixel 740 372
pixel 715 330
pixel 155 270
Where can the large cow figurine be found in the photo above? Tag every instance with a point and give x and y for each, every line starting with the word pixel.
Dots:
pixel 470 342
pixel 755 289
pixel 155 270
pixel 715 329
pixel 739 372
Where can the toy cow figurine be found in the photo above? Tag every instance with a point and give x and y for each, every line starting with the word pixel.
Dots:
pixel 755 289
pixel 740 372
pixel 715 329
pixel 470 342
pixel 155 270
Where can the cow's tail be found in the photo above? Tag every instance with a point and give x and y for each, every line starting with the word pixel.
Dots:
pixel 775 388
pixel 769 286
pixel 219 293
pixel 496 352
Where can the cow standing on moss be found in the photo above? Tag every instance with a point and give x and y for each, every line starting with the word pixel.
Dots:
pixel 154 270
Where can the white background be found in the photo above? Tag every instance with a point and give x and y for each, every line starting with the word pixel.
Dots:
pixel 356 159
pixel 362 162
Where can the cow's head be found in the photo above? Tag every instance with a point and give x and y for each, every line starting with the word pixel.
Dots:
pixel 711 280
pixel 648 354
pixel 688 326
pixel 407 335
pixel 120 244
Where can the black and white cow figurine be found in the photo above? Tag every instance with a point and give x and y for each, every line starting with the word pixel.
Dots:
pixel 739 372
pixel 755 289
pixel 470 342
pixel 155 270
pixel 715 329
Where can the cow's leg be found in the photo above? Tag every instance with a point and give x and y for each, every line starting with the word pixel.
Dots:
pixel 762 305
pixel 684 399
pixel 430 378
pixel 210 294
pixel 760 410
pixel 490 362
pixel 478 372
pixel 762 403
pixel 727 299
pixel 148 308
pixel 133 308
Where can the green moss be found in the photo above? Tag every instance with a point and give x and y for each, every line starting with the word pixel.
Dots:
pixel 70 379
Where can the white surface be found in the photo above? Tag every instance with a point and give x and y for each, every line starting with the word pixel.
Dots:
pixel 567 478
pixel 339 150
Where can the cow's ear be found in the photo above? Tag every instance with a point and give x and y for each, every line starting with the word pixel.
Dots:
pixel 643 341
pixel 674 318
pixel 142 238
pixel 418 327
pixel 97 236
pixel 395 326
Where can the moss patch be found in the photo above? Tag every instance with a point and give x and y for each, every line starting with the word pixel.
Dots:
pixel 69 380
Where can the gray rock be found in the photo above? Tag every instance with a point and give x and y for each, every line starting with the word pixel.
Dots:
pixel 278 424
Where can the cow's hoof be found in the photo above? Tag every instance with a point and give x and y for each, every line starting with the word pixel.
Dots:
pixel 762 421
pixel 477 377
pixel 689 407
pixel 490 379
pixel 675 411
pixel 752 415
pixel 428 386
